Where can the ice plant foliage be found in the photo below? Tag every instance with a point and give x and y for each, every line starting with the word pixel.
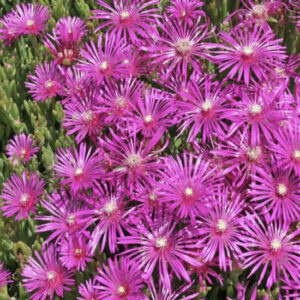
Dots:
pixel 152 150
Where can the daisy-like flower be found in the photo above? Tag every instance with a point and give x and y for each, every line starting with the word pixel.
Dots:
pixel 81 169
pixel 21 147
pixel 130 19
pixel 249 53
pixel 75 252
pixel 180 45
pixel 276 190
pixel 288 147
pixel 220 229
pixel 110 212
pixel 202 106
pixel 119 98
pixel 132 160
pixel 185 10
pixel 153 113
pixel 4 276
pixel 45 276
pixel 21 195
pixel 8 29
pixel 159 244
pixel 273 247
pixel 256 112
pixel 89 291
pixel 46 83
pixel 120 280
pixel 82 115
pixel 65 217
pixel 186 183
pixel 105 60
pixel 31 18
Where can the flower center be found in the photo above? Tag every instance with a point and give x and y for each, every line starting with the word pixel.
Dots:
pixel 206 105
pixel 23 151
pixel 124 14
pixel 259 10
pixel 78 172
pixel 104 65
pixel 254 153
pixel 281 189
pixel 161 242
pixel 297 154
pixel 24 198
pixel 49 84
pixel 121 290
pixel 110 207
pixel 275 244
pixel 188 191
pixel 248 50
pixel 121 101
pixel 255 109
pixel 29 23
pixel 78 252
pixel 183 46
pixel 51 275
pixel 221 225
pixel 183 13
pixel 134 160
pixel 71 219
pixel 88 116
pixel 148 119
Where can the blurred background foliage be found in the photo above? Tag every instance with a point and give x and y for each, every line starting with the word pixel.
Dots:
pixel 20 114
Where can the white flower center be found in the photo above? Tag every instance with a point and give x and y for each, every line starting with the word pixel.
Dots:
pixel 161 242
pixel 134 160
pixel 78 251
pixel 51 275
pixel 88 115
pixel 206 105
pixel 183 13
pixel 152 196
pixel 281 189
pixel 23 151
pixel 104 65
pixel 189 191
pixel 148 119
pixel 121 290
pixel 49 84
pixel 275 244
pixel 29 23
pixel 121 101
pixel 124 14
pixel 248 50
pixel 258 9
pixel 183 46
pixel 255 109
pixel 71 219
pixel 78 171
pixel 254 153
pixel 24 198
pixel 110 207
pixel 297 154
pixel 221 225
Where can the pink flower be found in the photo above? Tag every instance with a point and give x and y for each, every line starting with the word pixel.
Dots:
pixel 105 60
pixel 4 276
pixel 21 195
pixel 273 247
pixel 21 147
pixel 31 18
pixel 130 19
pixel 81 169
pixel 46 83
pixel 8 31
pixel 251 54
pixel 120 280
pixel 89 291
pixel 45 276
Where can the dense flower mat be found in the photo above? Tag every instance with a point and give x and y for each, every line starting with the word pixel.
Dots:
pixel 150 149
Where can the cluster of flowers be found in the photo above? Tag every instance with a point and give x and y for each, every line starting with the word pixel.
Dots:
pixel 224 195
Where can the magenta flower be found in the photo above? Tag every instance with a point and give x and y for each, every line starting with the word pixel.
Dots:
pixel 45 276
pixel 46 83
pixel 131 160
pixel 82 115
pixel 180 45
pixel 65 217
pixel 202 106
pixel 276 191
pixel 274 247
pixel 31 18
pixel 8 31
pixel 88 291
pixel 288 147
pixel 130 19
pixel 110 212
pixel 4 276
pixel 20 195
pixel 120 280
pixel 185 10
pixel 21 147
pixel 159 244
pixel 81 169
pixel 75 252
pixel 186 183
pixel 153 113
pixel 252 54
pixel 105 60
pixel 220 229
